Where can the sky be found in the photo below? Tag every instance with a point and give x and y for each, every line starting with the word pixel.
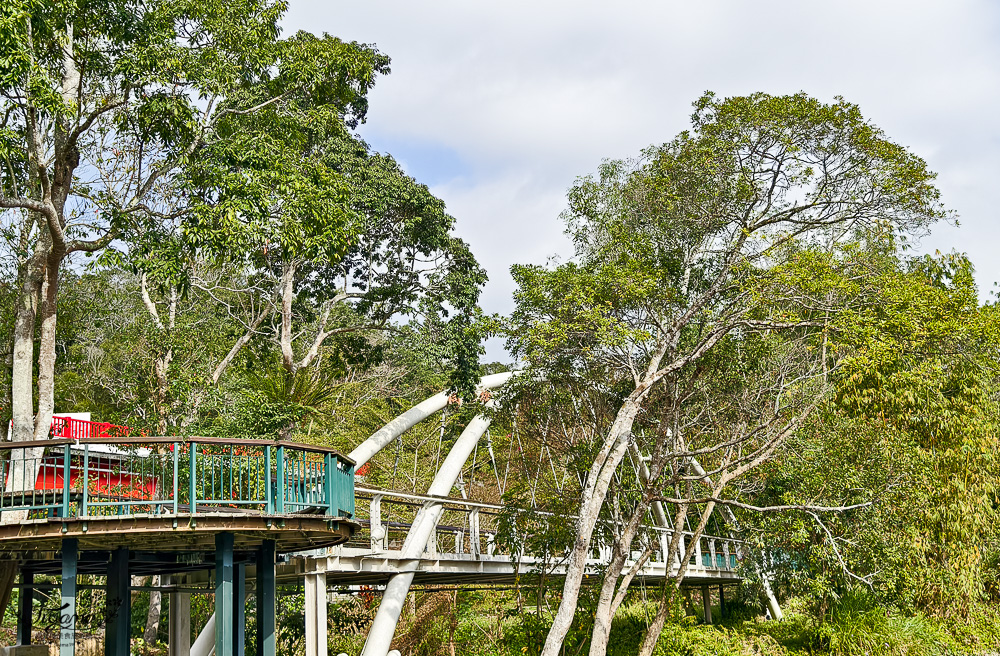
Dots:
pixel 498 107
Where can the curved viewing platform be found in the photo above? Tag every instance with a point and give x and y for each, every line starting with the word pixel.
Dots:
pixel 171 494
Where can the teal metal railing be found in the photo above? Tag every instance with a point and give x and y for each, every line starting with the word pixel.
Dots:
pixel 100 477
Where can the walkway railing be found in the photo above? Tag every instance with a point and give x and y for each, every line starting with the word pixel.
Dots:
pixel 470 528
pixel 112 476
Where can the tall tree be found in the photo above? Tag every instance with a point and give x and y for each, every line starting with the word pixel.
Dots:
pixel 685 247
pixel 350 241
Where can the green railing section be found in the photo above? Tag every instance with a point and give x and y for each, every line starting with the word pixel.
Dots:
pixel 102 477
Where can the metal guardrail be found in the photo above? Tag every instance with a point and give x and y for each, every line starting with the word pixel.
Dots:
pixel 469 528
pixel 113 476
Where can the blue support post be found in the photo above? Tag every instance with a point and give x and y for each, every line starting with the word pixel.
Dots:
pixel 118 605
pixel 86 479
pixel 193 483
pixel 329 481
pixel 66 476
pixel 266 595
pixel 239 608
pixel 67 612
pixel 24 607
pixel 268 486
pixel 224 638
pixel 280 498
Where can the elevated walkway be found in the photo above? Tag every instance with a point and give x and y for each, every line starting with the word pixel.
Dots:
pixel 179 508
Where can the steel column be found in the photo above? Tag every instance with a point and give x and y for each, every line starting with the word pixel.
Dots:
pixel 239 608
pixel 266 594
pixel 67 620
pixel 224 598
pixel 118 605
pixel 24 607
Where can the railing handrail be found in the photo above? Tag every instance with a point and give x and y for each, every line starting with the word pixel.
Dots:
pixel 138 441
pixel 461 504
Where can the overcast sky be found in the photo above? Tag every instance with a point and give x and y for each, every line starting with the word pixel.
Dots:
pixel 498 106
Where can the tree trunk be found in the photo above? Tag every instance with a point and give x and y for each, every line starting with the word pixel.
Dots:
pixel 594 493
pixel 656 628
pixel 287 298
pixel 47 347
pixel 153 616
pixel 23 356
pixel 604 612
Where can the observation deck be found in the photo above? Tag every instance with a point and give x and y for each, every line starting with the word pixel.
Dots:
pixel 169 494
pixel 95 500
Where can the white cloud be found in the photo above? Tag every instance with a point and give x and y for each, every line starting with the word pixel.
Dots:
pixel 525 96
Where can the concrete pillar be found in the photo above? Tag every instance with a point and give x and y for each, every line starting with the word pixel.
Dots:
pixel 316 614
pixel 118 605
pixel 722 603
pixel 225 640
pixel 266 594
pixel 706 600
pixel 24 608
pixel 179 628
pixel 67 620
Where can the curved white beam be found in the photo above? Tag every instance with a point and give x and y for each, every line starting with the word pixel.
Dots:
pixel 384 625
pixel 385 435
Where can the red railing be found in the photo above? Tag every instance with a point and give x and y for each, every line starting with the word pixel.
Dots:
pixel 76 429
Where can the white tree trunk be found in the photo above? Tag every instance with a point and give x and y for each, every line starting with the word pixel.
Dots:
pixel 594 492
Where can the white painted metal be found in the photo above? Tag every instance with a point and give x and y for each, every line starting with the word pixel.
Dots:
pixel 385 435
pixel 204 645
pixel 387 617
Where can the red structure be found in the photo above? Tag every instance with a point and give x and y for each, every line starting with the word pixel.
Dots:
pixel 105 468
pixel 77 429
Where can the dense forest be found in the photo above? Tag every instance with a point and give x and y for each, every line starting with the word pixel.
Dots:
pixel 197 242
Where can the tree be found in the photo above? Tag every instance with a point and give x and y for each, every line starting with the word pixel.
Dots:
pixel 694 244
pixel 350 241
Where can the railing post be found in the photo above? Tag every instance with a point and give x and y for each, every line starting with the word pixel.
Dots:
pixel 376 531
pixel 193 483
pixel 86 479
pixel 177 452
pixel 330 472
pixel 268 488
pixel 711 551
pixel 474 543
pixel 280 498
pixel 66 476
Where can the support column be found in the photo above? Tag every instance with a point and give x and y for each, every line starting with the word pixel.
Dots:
pixel 706 600
pixel 239 608
pixel 179 623
pixel 316 614
pixel 67 620
pixel 224 638
pixel 118 606
pixel 24 609
pixel 266 594
pixel 722 603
